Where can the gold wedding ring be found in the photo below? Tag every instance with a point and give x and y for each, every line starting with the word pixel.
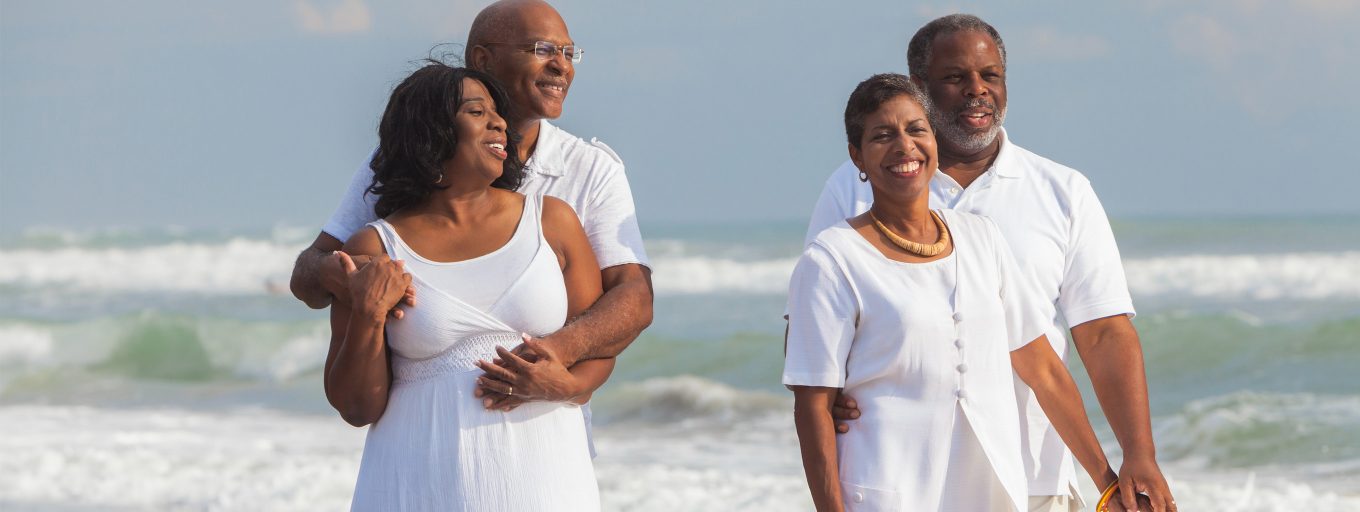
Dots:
pixel 510 391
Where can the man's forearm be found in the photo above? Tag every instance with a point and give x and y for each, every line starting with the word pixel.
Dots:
pixel 590 374
pixel 610 324
pixel 306 281
pixel 1113 356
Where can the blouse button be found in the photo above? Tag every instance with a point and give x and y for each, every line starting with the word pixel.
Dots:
pixel 958 316
pixel 963 368
pixel 859 497
pixel 962 394
pixel 958 343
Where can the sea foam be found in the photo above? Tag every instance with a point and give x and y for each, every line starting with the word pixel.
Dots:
pixel 24 345
pixel 242 266
pixel 254 459
pixel 1311 276
pixel 1307 276
pixel 237 266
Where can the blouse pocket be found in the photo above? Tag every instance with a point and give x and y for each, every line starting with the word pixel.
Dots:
pixel 859 498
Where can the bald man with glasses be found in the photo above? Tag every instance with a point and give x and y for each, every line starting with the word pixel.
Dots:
pixel 525 45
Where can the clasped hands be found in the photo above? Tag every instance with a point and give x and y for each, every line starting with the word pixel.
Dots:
pixel 532 372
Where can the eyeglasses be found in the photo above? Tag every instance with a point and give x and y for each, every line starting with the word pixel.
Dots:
pixel 545 50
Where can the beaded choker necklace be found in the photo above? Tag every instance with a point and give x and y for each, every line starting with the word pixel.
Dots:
pixel 917 248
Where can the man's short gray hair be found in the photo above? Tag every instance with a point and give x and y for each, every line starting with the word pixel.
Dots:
pixel 921 45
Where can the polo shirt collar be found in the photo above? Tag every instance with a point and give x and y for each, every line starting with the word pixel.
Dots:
pixel 547 157
pixel 1007 164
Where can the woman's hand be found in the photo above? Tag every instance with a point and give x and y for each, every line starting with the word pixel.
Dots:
pixel 538 376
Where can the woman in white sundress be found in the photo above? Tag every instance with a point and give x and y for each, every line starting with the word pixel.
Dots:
pixel 486 265
pixel 921 315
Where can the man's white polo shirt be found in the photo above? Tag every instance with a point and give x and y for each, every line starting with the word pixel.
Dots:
pixel 1062 240
pixel 587 175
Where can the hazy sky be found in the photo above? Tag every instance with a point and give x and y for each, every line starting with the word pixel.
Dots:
pixel 257 112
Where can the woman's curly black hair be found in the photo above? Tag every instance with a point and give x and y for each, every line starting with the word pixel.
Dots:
pixel 418 134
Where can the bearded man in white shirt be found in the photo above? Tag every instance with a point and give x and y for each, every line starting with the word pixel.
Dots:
pixel 525 45
pixel 1050 216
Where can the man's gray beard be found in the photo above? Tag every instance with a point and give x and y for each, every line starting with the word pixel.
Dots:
pixel 948 127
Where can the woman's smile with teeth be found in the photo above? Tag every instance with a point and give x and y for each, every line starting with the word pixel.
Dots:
pixel 907 168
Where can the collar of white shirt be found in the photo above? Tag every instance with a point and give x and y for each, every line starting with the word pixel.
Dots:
pixel 547 157
pixel 1007 165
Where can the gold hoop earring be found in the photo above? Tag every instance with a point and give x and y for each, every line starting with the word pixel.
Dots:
pixel 441 178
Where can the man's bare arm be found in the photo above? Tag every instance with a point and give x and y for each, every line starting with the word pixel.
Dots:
pixel 613 321
pixel 306 283
pixel 1113 355
pixel 319 274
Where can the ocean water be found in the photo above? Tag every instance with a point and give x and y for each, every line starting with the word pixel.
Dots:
pixel 170 369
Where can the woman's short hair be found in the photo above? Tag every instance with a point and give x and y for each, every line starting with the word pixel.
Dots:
pixel 871 94
pixel 418 134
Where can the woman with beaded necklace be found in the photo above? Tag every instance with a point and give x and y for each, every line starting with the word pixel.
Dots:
pixel 921 315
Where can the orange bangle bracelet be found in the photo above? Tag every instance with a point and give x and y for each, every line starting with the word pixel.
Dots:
pixel 1104 504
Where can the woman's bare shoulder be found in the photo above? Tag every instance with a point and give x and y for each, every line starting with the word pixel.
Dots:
pixel 557 214
pixel 365 242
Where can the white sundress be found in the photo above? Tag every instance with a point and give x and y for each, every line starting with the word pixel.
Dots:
pixel 436 448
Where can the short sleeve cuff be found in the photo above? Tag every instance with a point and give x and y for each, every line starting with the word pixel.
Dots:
pixel 1031 333
pixel 825 380
pixel 1079 315
pixel 622 256
pixel 339 231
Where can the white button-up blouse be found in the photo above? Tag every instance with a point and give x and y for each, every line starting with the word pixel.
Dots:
pixel 914 344
pixel 1062 241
